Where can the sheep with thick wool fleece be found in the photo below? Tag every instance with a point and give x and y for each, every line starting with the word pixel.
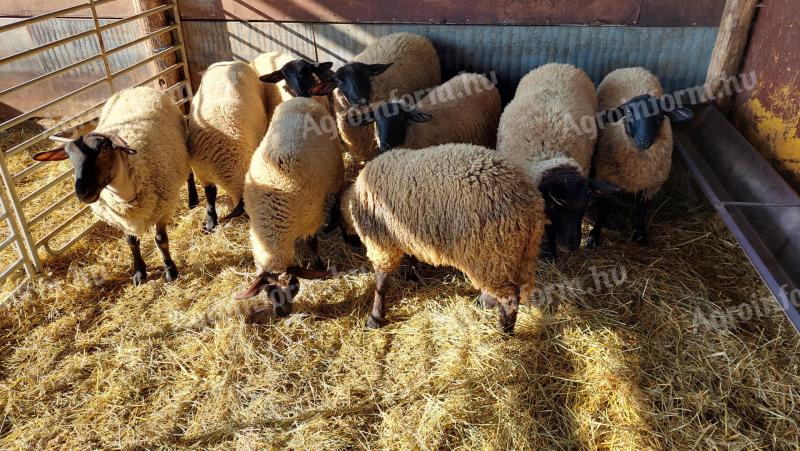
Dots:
pixel 465 109
pixel 617 159
pixel 226 123
pixel 276 93
pixel 456 205
pixel 415 67
pixel 292 174
pixel 551 120
pixel 150 123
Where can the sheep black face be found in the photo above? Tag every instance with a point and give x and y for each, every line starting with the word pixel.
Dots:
pixel 353 79
pixel 567 194
pixel 281 288
pixel 644 117
pixel 391 120
pixel 300 75
pixel 92 156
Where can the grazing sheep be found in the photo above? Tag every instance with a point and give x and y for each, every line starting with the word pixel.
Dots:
pixel 634 147
pixel 456 205
pixel 293 173
pixel 549 129
pixel 226 122
pixel 131 167
pixel 287 77
pixel 391 66
pixel 465 109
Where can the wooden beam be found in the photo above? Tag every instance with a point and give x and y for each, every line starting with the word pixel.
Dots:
pixel 726 60
pixel 149 25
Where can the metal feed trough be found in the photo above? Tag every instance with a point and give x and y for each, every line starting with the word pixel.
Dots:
pixel 19 223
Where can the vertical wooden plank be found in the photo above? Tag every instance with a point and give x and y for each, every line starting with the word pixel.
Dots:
pixel 729 50
pixel 150 24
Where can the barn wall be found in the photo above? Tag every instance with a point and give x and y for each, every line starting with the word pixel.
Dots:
pixel 769 115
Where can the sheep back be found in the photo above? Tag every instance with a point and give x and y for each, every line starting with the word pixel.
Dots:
pixel 465 109
pixel 151 124
pixel 415 67
pixel 618 160
pixel 551 116
pixel 292 173
pixel 457 205
pixel 226 124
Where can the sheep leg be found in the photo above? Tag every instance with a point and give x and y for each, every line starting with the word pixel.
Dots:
pixel 379 304
pixel 335 216
pixel 162 240
pixel 194 200
pixel 211 208
pixel 351 240
pixel 313 247
pixel 508 313
pixel 549 252
pixel 139 266
pixel 236 212
pixel 641 206
pixel 486 301
pixel 413 269
pixel 595 236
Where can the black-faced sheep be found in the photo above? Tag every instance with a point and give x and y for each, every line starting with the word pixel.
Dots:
pixel 549 129
pixel 634 148
pixel 286 76
pixel 292 174
pixel 131 167
pixel 455 205
pixel 226 122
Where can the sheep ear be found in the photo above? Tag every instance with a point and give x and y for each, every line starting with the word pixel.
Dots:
pixel 357 118
pixel 119 144
pixel 58 154
pixel 611 116
pixel 256 287
pixel 321 68
pixel 322 89
pixel 377 69
pixel 305 273
pixel 602 188
pixel 420 117
pixel 272 77
pixel 680 115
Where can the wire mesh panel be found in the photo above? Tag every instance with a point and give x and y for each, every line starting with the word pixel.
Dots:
pixel 80 63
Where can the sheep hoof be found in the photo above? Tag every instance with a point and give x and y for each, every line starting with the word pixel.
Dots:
pixel 170 273
pixel 318 265
pixel 507 328
pixel 411 276
pixel 373 323
pixel 139 277
pixel 209 225
pixel 640 238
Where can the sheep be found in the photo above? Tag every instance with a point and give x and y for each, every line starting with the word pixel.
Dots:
pixel 292 174
pixel 634 146
pixel 465 109
pixel 391 66
pixel 131 167
pixel 458 205
pixel 286 77
pixel 226 123
pixel 549 129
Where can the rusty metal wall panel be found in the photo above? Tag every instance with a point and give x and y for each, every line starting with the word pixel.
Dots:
pixel 679 56
pixel 528 12
pixel 769 115
pixel 210 41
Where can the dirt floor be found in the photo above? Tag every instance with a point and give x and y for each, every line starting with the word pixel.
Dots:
pixel 674 346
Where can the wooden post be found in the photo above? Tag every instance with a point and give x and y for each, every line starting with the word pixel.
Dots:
pixel 734 31
pixel 150 24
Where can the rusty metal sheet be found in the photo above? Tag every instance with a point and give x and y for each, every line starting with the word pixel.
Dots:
pixel 769 115
pixel 681 13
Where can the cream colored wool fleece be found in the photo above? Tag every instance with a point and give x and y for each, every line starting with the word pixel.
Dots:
pixel 618 160
pixel 465 109
pixel 415 67
pixel 151 124
pixel 267 63
pixel 226 124
pixel 292 173
pixel 542 126
pixel 455 205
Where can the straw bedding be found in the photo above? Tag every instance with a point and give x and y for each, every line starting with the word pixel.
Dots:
pixel 89 361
